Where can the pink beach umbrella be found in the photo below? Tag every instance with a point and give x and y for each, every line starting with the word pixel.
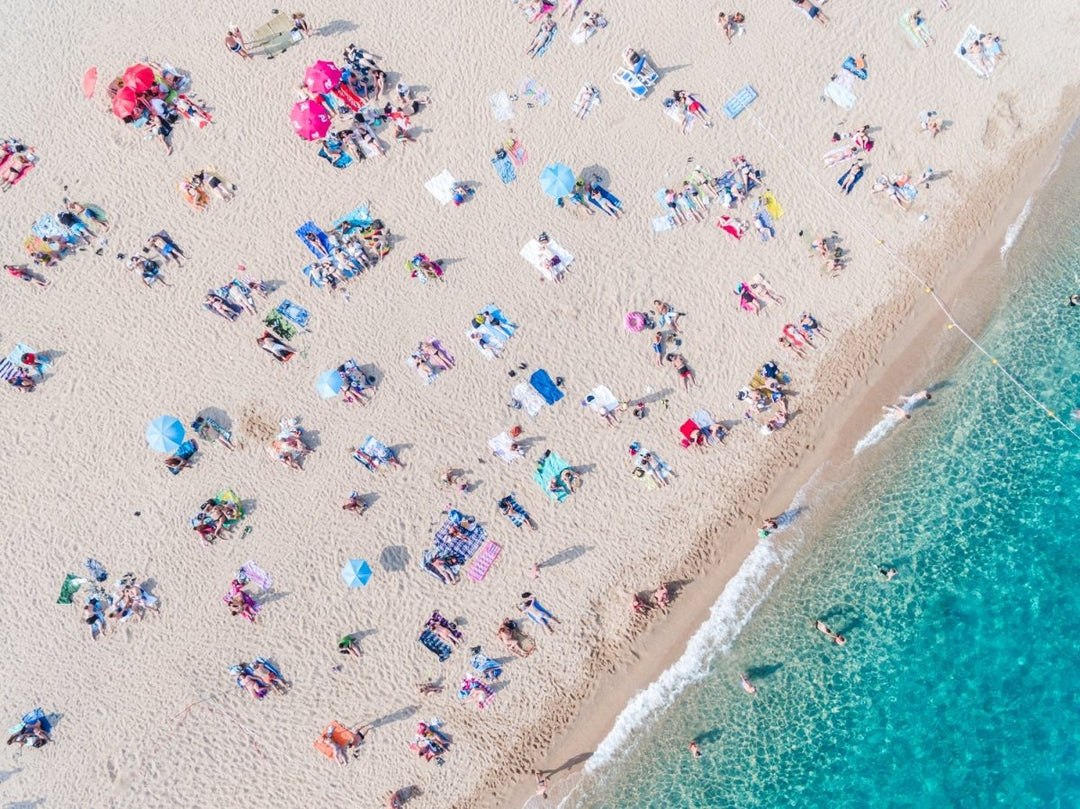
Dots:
pixel 310 120
pixel 139 78
pixel 89 82
pixel 124 102
pixel 635 321
pixel 322 77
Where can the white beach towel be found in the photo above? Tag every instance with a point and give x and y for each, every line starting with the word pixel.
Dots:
pixel 963 49
pixel 839 90
pixel 603 400
pixel 531 401
pixel 500 447
pixel 501 106
pixel 676 114
pixel 441 186
pixel 532 251
pixel 587 97
pixel 662 223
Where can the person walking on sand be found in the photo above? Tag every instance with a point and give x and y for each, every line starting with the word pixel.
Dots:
pixel 541 784
pixel 535 572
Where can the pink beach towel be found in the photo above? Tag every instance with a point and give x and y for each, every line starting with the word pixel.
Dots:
pixel 484 560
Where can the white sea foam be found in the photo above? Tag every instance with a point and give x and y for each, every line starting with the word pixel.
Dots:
pixel 741 596
pixel 1014 229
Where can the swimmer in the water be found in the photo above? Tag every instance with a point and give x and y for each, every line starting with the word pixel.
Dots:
pixel 896 412
pixel 887 573
pixel 693 748
pixel 835 637
pixel 747 686
pixel 768 525
pixel 1074 300
pixel 922 395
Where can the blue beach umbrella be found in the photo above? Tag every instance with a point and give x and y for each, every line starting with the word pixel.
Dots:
pixel 328 385
pixel 165 434
pixel 557 180
pixel 356 573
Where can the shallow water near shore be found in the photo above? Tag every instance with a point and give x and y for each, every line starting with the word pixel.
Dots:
pixel 956 686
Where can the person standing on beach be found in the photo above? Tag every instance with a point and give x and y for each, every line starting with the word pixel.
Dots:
pixel 541 784
pixel 235 43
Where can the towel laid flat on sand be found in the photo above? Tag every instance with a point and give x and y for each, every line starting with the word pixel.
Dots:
pixel 441 186
pixel 501 106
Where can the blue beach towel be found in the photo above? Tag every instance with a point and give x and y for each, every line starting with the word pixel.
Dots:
pixel 844 176
pixel 313 275
pixel 185 452
pixel 322 239
pixel 505 169
pixel 342 161
pixel 431 641
pixel 605 194
pixel 545 386
pixel 291 311
pixel 543 49
pixel 849 66
pixel 358 217
pixel 739 102
pixel 97 571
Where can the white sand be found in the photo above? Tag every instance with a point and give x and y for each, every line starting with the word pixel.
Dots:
pixel 78 468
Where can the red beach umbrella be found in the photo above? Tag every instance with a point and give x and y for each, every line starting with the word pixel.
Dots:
pixel 322 77
pixel 124 103
pixel 139 78
pixel 310 120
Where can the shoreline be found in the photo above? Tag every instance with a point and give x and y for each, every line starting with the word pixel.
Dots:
pixel 897 357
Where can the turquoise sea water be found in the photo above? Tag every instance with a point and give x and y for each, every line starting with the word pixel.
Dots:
pixel 958 686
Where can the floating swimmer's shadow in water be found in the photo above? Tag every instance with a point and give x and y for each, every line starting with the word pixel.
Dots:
pixel 763 672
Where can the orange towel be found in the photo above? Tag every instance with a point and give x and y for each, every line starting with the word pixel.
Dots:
pixel 341 735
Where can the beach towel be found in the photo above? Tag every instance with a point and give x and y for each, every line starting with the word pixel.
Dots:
pixel 850 67
pixel 771 205
pixel 70 587
pixel 359 217
pixel 545 386
pixel 603 193
pixel 184 452
pixel 229 496
pixel 516 149
pixel 494 323
pixel 375 449
pixel 257 576
pixel 982 67
pixel 912 31
pixel 631 82
pixel 661 468
pixel 703 418
pixel 36 371
pixel 490 669
pixel 662 223
pixel 587 98
pixel 504 168
pixel 532 252
pixel 439 647
pixel 840 92
pixel 739 102
pixel 291 311
pixel 844 176
pixel 601 400
pixel 517 514
pixel 531 401
pixel 484 560
pixel 583 33
pixel 547 44
pixel 342 736
pixel 441 186
pixel 765 222
pixel 500 448
pixel 321 239
pixel 684 118
pixel 730 226
pixel 97 571
pixel 462 547
pixel 340 162
pixel 280 326
pixel 48 227
pixel 548 471
pixel 501 106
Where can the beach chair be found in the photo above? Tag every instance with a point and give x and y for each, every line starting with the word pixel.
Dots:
pixel 631 82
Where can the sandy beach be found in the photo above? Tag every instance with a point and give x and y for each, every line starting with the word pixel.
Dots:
pixel 149 714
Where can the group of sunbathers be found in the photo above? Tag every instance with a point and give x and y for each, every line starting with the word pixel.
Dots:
pixel 259 678
pixel 130 599
pixel 194 189
pixel 798 336
pixel 240 601
pixel 162 104
pixel 214 517
pixel 661 600
pixel 429 743
pixel 352 249
pixel 430 359
pixel 377 458
pixel 236 297
pixel 288 447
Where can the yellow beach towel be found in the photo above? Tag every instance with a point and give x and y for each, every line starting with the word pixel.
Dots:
pixel 772 206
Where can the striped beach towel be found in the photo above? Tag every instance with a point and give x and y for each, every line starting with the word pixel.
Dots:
pixel 484 560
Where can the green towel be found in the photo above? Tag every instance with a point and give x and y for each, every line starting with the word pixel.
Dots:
pixel 282 327
pixel 71 586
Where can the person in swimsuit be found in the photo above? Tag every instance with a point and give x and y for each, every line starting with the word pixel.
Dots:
pixel 812 11
pixel 24 274
pixel 234 43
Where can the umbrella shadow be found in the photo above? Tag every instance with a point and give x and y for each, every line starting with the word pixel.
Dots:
pixel 218 415
pixel 594 171
pixel 400 715
pixel 249 506
pixel 394 558
pixel 337 27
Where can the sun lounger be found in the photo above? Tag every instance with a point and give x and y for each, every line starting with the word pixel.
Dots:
pixel 545 386
pixel 601 400
pixel 501 106
pixel 342 736
pixel 501 448
pixel 441 186
pixel 553 466
pixel 739 102
pixel 633 84
pixel 531 401
pixel 484 560
pixel 532 253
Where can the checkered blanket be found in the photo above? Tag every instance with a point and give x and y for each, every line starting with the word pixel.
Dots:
pixel 462 547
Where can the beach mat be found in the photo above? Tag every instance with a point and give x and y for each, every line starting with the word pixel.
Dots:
pixel 545 386
pixel 484 560
pixel 739 102
pixel 504 168
pixel 441 186
pixel 501 106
